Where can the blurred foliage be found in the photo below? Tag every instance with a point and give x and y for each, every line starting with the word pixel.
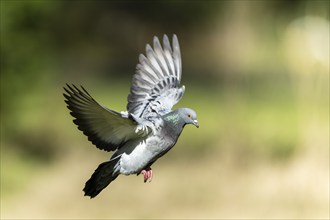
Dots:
pixel 256 72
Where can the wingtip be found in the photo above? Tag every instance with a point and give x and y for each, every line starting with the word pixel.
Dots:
pixel 157 45
pixel 155 40
pixel 68 91
pixel 67 86
pixel 175 42
pixel 148 48
pixel 165 38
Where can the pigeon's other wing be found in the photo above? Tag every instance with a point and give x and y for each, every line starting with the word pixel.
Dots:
pixel 106 129
pixel 156 83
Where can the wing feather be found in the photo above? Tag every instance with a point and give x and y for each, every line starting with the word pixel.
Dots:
pixel 105 128
pixel 177 57
pixel 160 56
pixel 156 83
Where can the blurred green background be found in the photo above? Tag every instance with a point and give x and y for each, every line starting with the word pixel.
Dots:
pixel 256 72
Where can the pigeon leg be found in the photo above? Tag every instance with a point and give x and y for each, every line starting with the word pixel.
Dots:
pixel 147 174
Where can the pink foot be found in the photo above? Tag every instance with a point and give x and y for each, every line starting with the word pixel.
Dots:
pixel 147 174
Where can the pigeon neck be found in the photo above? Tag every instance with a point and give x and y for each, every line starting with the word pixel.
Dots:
pixel 174 119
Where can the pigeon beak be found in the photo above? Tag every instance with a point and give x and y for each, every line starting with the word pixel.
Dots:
pixel 195 122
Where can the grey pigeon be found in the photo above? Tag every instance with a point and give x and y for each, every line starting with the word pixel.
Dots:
pixel 148 129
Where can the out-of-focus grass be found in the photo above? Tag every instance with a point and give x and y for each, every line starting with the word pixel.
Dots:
pixel 207 188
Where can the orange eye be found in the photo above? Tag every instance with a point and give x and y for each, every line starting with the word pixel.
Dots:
pixel 189 115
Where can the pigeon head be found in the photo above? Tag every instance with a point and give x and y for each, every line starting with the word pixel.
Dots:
pixel 188 116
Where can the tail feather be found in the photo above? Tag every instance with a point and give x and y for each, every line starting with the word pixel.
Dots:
pixel 101 178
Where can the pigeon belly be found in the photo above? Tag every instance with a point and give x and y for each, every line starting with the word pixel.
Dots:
pixel 144 153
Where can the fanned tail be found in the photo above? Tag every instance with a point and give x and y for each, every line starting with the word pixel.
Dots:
pixel 101 178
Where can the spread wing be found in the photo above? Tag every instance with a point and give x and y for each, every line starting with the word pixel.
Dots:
pixel 106 129
pixel 156 83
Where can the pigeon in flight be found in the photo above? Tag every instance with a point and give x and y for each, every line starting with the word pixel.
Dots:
pixel 148 129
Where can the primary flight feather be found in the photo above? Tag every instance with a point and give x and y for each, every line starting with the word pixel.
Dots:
pixel 148 129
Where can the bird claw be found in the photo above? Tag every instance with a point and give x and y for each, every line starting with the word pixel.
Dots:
pixel 147 174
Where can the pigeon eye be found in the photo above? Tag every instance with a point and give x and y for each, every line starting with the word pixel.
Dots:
pixel 189 115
